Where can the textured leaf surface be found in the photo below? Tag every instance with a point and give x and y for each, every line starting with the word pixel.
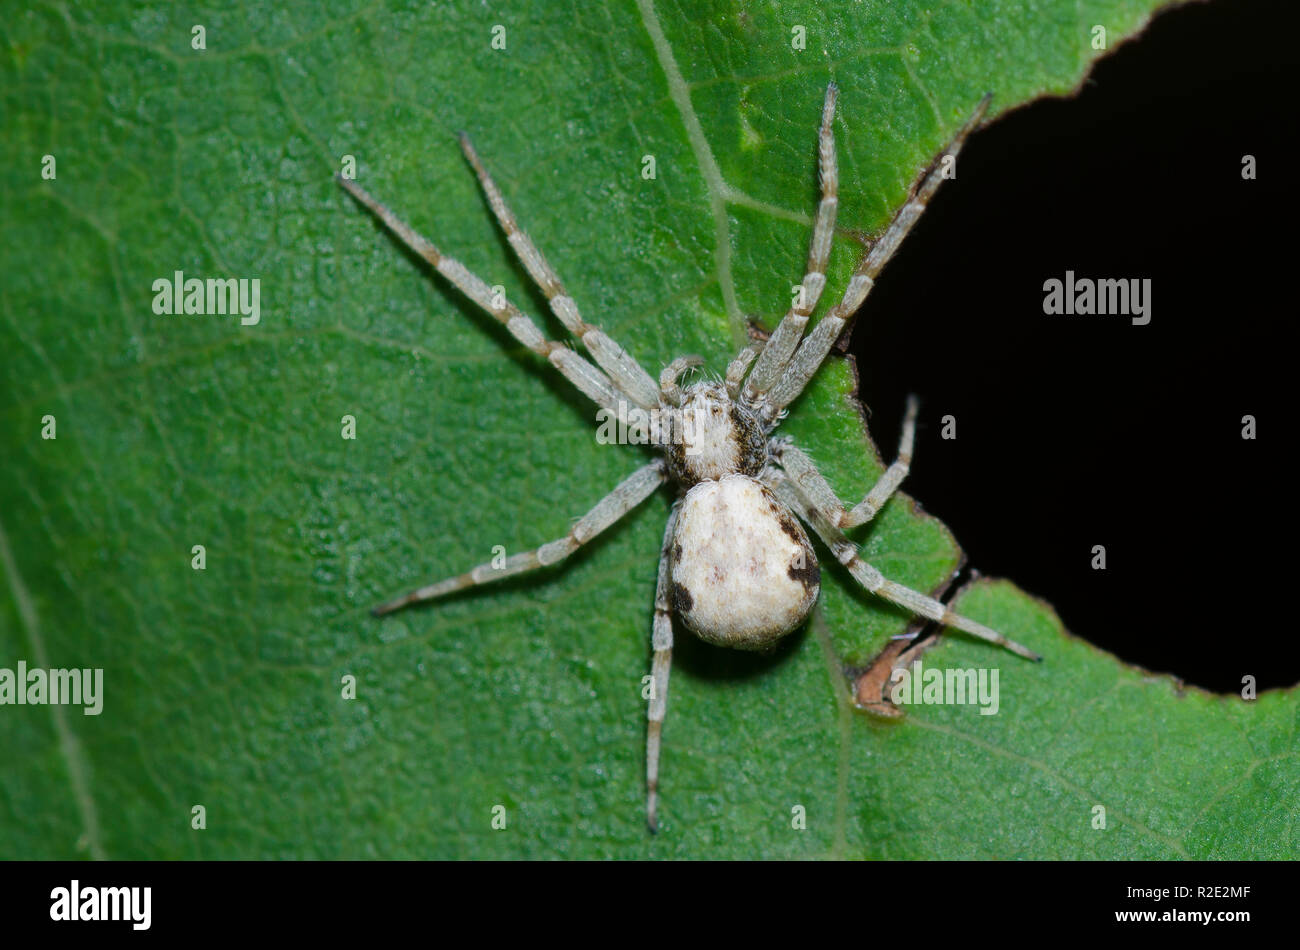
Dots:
pixel 223 686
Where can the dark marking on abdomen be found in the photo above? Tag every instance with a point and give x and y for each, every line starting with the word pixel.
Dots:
pixel 682 599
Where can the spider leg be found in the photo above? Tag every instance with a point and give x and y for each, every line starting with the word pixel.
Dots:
pixel 818 343
pixel 737 368
pixel 781 344
pixel 662 644
pixel 846 552
pixel 625 371
pixel 629 493
pixel 589 379
pixel 819 494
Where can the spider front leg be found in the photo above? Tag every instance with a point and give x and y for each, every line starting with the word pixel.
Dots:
pixel 593 383
pixel 846 552
pixel 803 365
pixel 822 497
pixel 781 344
pixel 627 495
pixel 625 372
pixel 661 665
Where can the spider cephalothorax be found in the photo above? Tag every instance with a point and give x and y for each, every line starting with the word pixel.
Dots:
pixel 736 565
pixel 713 435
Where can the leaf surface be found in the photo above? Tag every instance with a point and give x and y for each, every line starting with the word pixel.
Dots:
pixel 223 686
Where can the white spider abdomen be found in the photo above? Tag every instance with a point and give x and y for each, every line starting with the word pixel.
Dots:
pixel 743 572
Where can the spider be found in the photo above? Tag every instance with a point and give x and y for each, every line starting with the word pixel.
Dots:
pixel 736 566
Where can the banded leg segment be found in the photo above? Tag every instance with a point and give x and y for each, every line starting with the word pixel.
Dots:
pixel 781 345
pixel 846 552
pixel 818 492
pixel 738 367
pixel 593 383
pixel 633 490
pixel 625 371
pixel 660 666
pixel 814 349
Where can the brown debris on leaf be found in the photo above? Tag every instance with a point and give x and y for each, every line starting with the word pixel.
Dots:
pixel 872 686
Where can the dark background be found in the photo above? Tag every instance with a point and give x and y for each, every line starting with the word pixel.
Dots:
pixel 1081 430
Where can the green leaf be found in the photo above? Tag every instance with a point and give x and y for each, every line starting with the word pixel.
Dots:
pixel 222 687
